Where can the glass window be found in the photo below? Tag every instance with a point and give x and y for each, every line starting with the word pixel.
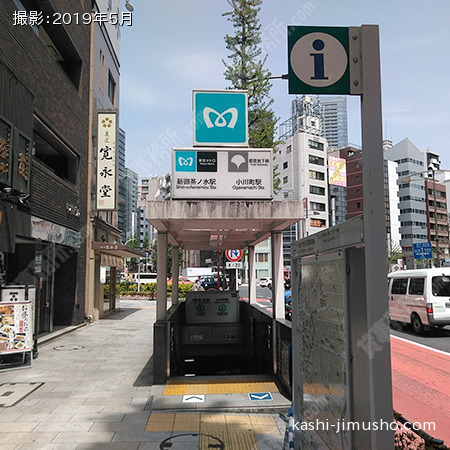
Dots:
pixel 316 160
pixel 399 285
pixel 317 206
pixel 316 190
pixel 441 286
pixel 262 257
pixel 313 174
pixel 51 151
pixel 315 144
pixel 112 89
pixel 416 286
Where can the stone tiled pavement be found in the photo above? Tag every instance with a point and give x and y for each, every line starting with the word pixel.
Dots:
pixel 97 384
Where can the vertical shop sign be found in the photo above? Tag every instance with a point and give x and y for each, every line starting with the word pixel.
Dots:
pixel 106 161
pixel 5 151
pixel 21 163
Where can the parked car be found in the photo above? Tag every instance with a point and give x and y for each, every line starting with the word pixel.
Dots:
pixel 265 282
pixel 420 297
pixel 288 304
pixel 209 283
pixel 143 278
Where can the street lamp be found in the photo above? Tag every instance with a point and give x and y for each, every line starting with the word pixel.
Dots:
pixel 432 169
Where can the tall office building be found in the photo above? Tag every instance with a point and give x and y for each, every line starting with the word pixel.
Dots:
pixel 412 196
pixel 121 206
pixel 302 163
pixel 131 196
pixel 393 222
pixel 334 120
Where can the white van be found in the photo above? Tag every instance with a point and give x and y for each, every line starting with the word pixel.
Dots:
pixel 420 297
pixel 144 277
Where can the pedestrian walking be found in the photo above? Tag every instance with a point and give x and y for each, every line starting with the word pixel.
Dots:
pixel 197 285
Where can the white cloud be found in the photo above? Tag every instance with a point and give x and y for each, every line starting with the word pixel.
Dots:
pixel 200 70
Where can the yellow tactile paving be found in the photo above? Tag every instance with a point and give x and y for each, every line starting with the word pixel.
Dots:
pixel 186 422
pixel 237 430
pixel 206 440
pixel 264 425
pixel 242 441
pixel 160 422
pixel 218 387
pixel 238 422
pixel 210 423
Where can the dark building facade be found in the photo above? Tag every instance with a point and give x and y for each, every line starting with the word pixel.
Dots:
pixel 437 215
pixel 44 116
pixel 355 195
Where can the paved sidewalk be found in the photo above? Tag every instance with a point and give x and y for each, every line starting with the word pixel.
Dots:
pixel 92 389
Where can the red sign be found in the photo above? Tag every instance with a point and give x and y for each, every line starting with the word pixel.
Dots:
pixel 234 255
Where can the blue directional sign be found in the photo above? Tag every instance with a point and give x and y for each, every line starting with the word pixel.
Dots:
pixel 220 118
pixel 423 250
pixel 260 396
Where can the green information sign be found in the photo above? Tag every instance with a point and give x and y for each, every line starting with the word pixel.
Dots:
pixel 318 60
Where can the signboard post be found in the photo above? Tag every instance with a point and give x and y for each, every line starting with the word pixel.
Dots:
pixel 330 60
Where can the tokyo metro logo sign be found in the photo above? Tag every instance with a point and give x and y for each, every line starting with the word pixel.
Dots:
pixel 220 118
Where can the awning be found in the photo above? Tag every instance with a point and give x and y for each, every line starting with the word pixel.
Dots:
pixel 121 250
pixel 221 224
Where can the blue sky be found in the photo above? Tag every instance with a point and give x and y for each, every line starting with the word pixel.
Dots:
pixel 176 46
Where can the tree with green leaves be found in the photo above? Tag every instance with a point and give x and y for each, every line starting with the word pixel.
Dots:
pixel 247 71
pixel 395 253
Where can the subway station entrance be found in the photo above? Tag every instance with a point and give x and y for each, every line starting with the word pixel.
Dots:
pixel 214 333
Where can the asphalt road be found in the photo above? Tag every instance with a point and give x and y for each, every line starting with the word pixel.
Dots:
pixel 435 338
pixel 420 382
pixel 264 292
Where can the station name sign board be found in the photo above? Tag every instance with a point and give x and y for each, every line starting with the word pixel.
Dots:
pixel 222 173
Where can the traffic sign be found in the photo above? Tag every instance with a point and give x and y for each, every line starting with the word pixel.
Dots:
pixel 319 60
pixel 234 255
pixel 423 250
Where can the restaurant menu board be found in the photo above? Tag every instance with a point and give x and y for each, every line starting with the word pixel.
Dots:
pixel 16 328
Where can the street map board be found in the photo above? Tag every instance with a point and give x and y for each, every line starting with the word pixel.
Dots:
pixel 322 298
pixel 323 354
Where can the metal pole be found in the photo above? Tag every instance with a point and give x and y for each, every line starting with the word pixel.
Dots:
pixel 377 307
pixel 412 244
pixel 139 273
pixel 438 258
